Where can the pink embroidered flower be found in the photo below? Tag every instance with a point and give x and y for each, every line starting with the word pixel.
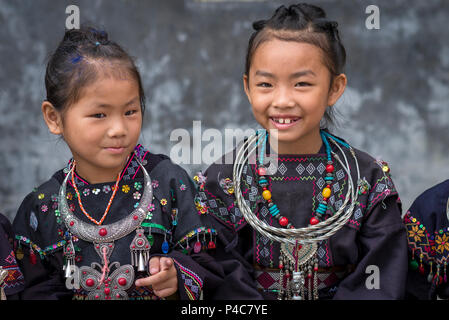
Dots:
pixel 136 195
pixel 44 208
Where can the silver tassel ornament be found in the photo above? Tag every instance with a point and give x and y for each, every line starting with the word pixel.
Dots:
pixel 140 250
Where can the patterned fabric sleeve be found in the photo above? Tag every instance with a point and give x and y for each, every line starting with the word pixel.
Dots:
pixel 39 262
pixel 13 283
pixel 382 264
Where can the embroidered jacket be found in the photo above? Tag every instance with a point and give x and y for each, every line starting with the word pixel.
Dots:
pixel 172 220
pixel 427 223
pixel 373 236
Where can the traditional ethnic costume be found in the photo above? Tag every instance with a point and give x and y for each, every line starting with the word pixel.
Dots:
pixel 71 254
pixel 11 278
pixel 304 190
pixel 427 223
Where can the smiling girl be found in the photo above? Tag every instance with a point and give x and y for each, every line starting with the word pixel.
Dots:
pixel 307 215
pixel 110 225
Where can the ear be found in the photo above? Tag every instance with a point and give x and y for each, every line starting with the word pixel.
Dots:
pixel 337 88
pixel 246 86
pixel 52 118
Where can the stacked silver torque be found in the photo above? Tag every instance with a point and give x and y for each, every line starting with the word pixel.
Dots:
pixel 108 281
pixel 298 246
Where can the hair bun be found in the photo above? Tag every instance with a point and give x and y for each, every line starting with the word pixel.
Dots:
pixel 259 25
pixel 86 34
pixel 308 11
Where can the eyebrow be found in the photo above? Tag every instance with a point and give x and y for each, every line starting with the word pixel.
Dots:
pixel 292 76
pixel 105 105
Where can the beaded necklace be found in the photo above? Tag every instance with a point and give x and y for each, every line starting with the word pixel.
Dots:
pixel 81 205
pixel 298 246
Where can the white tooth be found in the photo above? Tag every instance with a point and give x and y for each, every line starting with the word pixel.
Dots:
pixel 287 121
pixel 281 121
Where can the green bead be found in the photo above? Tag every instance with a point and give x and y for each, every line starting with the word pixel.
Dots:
pixel 413 264
pixel 150 239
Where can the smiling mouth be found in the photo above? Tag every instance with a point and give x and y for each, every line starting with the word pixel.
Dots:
pixel 285 120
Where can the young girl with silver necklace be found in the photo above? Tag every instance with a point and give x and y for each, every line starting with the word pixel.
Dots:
pixel 308 216
pixel 112 225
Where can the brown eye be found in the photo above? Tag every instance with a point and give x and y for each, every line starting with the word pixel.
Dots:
pixel 98 115
pixel 264 85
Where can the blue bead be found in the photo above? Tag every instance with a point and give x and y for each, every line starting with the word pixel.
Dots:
pixel 165 247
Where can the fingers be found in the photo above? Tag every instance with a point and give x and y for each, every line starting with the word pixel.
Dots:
pixel 153 280
pixel 164 282
pixel 165 263
pixel 155 265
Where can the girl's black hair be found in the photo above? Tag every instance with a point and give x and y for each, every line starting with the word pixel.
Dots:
pixel 80 57
pixel 302 23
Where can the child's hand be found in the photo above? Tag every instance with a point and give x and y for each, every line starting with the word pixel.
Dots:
pixel 163 277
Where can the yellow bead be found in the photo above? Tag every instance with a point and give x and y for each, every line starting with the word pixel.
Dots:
pixel 326 192
pixel 385 168
pixel 266 195
pixel 231 190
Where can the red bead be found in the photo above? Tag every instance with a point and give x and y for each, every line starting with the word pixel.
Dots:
pixel 107 291
pixel 314 221
pixel 421 269
pixel 103 232
pixel 283 221
pixel 122 281
pixel 72 223
pixel 211 245
pixel 135 217
pixel 315 269
pixel 262 171
pixel 139 242
pixel 90 282
pixel 329 168
pixel 281 266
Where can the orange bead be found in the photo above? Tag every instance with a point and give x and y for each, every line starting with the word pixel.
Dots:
pixel 326 192
pixel 266 195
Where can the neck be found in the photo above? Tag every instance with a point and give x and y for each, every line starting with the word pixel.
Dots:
pixel 310 144
pixel 95 175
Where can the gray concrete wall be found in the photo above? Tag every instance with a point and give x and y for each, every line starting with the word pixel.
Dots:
pixel 191 55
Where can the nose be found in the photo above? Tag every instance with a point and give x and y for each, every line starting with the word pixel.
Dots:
pixel 283 97
pixel 117 127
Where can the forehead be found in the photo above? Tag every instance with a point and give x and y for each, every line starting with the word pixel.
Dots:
pixel 109 90
pixel 276 55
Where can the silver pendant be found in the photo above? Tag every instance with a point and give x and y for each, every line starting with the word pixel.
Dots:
pixel 140 250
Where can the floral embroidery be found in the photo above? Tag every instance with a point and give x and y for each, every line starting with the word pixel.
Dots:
pixel 96 191
pixel 163 201
pixel 125 188
pixel 151 207
pixel 137 185
pixel 86 192
pixel 41 196
pixel 54 197
pixel 72 207
pixel 182 187
pixel 155 184
pixel 136 205
pixel 442 243
pixel 69 196
pixel 416 233
pixel 136 195
pixel 200 179
pixel 200 205
pixel 106 189
pixel 44 208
